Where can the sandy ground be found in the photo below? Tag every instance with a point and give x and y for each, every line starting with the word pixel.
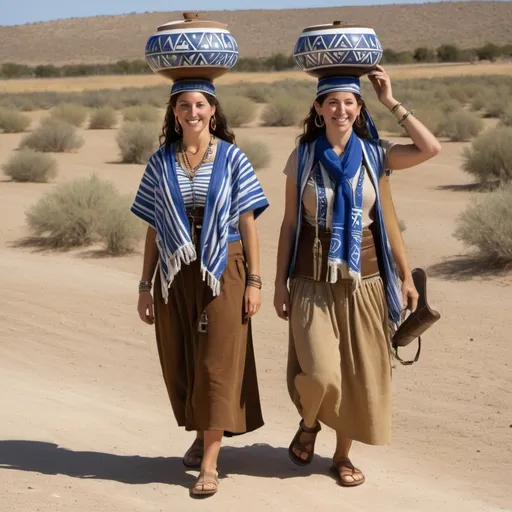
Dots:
pixel 85 422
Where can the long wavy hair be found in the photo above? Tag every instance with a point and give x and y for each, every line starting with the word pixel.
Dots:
pixel 169 134
pixel 311 131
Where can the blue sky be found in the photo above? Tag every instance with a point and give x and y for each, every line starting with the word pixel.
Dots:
pixel 17 12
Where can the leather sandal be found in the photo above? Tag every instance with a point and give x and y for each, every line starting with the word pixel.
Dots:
pixel 194 455
pixel 308 447
pixel 207 483
pixel 345 463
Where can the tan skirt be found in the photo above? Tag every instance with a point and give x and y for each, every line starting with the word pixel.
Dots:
pixel 210 377
pixel 339 359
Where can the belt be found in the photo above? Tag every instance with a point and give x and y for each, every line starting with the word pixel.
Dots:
pixel 313 252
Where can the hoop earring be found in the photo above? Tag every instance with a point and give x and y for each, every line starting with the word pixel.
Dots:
pixel 213 123
pixel 360 122
pixel 319 121
pixel 177 126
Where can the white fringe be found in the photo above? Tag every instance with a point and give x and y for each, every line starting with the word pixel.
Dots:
pixel 211 281
pixel 185 254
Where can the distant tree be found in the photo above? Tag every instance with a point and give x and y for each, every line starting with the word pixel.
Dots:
pixel 13 70
pixel 448 53
pixel 488 52
pixel 46 71
pixel 424 54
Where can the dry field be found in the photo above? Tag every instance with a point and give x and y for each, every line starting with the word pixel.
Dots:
pixel 85 422
pixel 91 83
pixel 259 32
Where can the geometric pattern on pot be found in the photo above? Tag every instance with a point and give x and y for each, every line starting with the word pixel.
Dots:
pixel 190 48
pixel 337 47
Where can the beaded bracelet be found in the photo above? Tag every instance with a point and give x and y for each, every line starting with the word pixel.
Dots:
pixel 145 286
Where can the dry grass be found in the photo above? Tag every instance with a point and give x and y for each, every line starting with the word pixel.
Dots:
pixel 94 83
pixel 104 39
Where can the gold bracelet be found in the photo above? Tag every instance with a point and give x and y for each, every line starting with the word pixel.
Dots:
pixel 395 108
pixel 405 116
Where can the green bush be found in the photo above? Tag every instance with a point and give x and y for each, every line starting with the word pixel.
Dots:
pixel 284 111
pixel 69 113
pixel 487 226
pixel 238 110
pixel 141 113
pixel 137 141
pixel 29 165
pixel 103 118
pixel 119 229
pixel 257 152
pixel 460 126
pixel 506 115
pixel 12 121
pixel 83 212
pixel 53 136
pixel 490 156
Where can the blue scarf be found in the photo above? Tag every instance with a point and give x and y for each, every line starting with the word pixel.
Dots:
pixel 175 242
pixel 347 225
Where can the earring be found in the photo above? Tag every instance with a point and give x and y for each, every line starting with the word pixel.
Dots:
pixel 177 126
pixel 360 121
pixel 213 123
pixel 319 121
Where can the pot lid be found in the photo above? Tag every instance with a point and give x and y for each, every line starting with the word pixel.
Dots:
pixel 191 20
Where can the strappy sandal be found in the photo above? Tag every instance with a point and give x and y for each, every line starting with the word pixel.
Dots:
pixel 342 463
pixel 194 455
pixel 308 448
pixel 207 484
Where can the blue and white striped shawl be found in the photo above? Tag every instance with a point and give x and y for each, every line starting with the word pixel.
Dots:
pixel 234 189
pixel 373 161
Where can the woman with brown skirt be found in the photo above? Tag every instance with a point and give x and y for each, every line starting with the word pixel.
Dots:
pixel 339 252
pixel 200 197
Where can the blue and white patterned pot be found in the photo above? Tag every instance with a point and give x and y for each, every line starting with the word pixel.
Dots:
pixel 192 49
pixel 335 49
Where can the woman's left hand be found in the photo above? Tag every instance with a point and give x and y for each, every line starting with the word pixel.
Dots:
pixel 382 85
pixel 252 300
pixel 409 294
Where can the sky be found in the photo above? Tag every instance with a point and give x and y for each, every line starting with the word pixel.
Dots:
pixel 18 12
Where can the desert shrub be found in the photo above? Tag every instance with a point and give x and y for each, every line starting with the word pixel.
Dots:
pixel 479 101
pixel 103 118
pixel 141 113
pixel 119 229
pixel 487 226
pixel 259 93
pixel 256 151
pixel 489 157
pixel 82 212
pixel 137 141
pixel 29 165
pixel 70 113
pixel 460 126
pixel 506 115
pixel 402 225
pixel 53 135
pixel 12 121
pixel 450 105
pixel 284 111
pixel 238 110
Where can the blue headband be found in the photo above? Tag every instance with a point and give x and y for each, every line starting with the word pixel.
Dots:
pixel 346 84
pixel 338 84
pixel 193 85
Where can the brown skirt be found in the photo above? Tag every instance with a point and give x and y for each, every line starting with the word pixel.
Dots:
pixel 210 377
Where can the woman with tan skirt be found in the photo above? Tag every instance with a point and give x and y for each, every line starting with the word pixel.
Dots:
pixel 200 197
pixel 340 249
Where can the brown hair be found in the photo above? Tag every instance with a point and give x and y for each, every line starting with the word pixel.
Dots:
pixel 169 134
pixel 311 131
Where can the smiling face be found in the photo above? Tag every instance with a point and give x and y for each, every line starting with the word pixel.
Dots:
pixel 193 112
pixel 339 110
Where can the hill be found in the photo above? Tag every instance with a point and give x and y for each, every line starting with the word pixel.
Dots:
pixel 259 32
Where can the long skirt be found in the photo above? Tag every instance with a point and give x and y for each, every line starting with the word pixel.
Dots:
pixel 339 362
pixel 210 376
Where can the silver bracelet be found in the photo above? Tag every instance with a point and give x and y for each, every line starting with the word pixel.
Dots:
pixel 405 116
